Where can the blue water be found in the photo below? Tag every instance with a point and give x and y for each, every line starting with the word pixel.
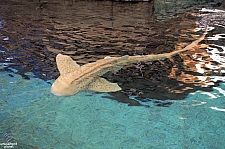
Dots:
pixel 86 120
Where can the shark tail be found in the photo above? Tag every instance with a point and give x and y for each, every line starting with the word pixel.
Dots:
pixel 190 46
pixel 152 57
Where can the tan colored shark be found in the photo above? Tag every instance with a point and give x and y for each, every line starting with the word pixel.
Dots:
pixel 75 78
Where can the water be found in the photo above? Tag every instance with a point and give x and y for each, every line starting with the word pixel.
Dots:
pixel 179 101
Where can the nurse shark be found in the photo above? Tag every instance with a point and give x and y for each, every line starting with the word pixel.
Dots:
pixel 75 78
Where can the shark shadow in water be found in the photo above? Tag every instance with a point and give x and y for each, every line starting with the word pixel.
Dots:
pixel 75 78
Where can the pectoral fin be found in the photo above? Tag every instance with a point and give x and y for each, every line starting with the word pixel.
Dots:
pixel 102 85
pixel 66 64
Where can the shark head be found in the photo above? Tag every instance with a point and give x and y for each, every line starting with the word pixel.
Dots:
pixel 75 78
pixel 66 66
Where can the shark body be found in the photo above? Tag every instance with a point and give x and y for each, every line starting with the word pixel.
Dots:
pixel 75 78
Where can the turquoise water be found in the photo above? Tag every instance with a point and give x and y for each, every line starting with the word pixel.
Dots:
pixel 32 33
pixel 86 120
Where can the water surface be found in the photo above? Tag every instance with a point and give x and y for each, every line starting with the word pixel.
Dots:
pixel 181 97
pixel 33 33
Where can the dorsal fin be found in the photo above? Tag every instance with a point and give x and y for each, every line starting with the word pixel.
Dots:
pixel 66 64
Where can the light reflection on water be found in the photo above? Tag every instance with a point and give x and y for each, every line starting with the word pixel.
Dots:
pixel 215 20
pixel 33 34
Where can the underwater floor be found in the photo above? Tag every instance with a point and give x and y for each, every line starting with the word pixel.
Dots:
pixel 32 117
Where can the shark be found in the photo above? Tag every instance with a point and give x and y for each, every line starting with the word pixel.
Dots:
pixel 75 78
